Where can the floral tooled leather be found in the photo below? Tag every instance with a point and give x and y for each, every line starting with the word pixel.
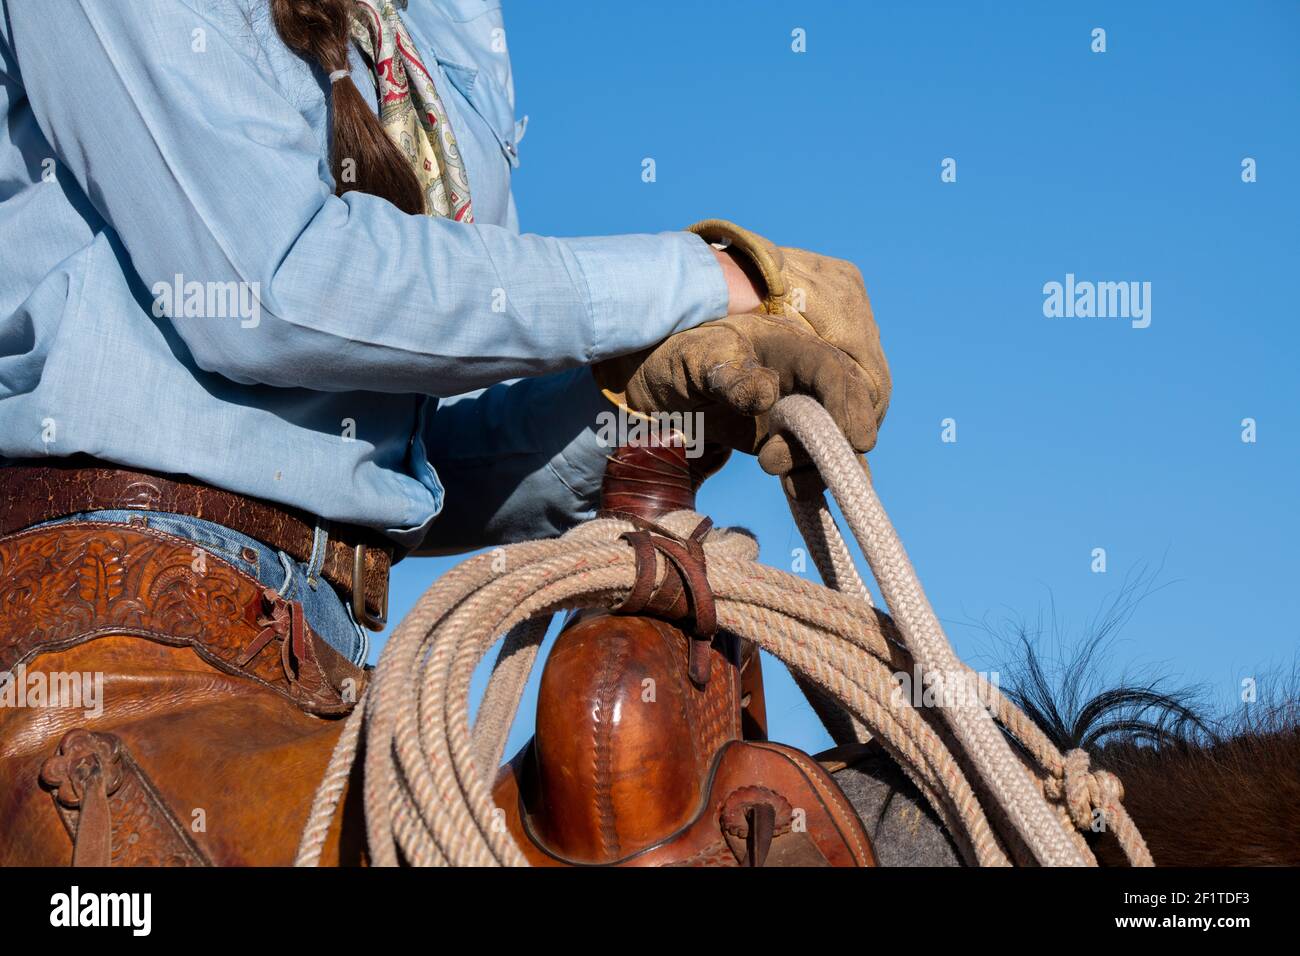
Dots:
pixel 68 583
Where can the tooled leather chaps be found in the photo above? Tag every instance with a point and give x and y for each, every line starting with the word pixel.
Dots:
pixel 205 709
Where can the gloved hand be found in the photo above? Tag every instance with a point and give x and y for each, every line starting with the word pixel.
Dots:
pixel 815 335
pixel 734 370
pixel 828 295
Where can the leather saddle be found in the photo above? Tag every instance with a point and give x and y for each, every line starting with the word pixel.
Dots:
pixel 632 764
pixel 646 755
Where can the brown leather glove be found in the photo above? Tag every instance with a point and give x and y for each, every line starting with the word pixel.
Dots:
pixel 815 336
pixel 828 295
pixel 733 371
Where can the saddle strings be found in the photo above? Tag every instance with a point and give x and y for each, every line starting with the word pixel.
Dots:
pixel 428 775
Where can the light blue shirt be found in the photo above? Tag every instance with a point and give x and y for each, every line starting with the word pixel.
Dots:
pixel 145 140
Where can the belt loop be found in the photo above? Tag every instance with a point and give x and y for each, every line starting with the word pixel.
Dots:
pixel 286 562
pixel 320 538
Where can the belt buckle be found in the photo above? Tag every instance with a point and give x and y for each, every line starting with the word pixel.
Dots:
pixel 359 610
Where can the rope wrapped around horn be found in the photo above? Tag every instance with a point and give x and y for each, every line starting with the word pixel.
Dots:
pixel 427 772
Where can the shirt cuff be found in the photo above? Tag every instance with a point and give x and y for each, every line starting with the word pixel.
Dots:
pixel 643 288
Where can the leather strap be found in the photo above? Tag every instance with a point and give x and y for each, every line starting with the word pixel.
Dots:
pixel 683 596
pixel 33 493
pixel 111 809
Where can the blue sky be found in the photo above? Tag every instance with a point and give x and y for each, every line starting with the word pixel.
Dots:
pixel 1072 433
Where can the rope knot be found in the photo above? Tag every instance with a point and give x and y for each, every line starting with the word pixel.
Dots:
pixel 280 620
pixel 1083 790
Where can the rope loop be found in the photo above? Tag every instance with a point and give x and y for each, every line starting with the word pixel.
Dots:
pixel 428 773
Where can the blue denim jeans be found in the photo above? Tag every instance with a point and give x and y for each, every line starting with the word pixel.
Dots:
pixel 326 612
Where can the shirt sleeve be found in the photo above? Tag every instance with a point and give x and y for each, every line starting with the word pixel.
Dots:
pixel 519 461
pixel 209 174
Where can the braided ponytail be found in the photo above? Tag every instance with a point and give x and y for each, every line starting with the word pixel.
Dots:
pixel 319 30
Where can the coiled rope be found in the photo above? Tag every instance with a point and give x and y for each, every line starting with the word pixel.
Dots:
pixel 428 774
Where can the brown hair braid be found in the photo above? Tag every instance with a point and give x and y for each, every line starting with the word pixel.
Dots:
pixel 318 29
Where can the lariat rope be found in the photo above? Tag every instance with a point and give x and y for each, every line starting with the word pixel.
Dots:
pixel 428 775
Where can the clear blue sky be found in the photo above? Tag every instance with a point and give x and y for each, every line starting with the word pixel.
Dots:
pixel 1072 433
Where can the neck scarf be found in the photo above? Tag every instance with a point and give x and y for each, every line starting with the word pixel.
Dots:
pixel 410 109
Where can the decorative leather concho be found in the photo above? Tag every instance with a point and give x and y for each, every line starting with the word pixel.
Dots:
pixel 111 809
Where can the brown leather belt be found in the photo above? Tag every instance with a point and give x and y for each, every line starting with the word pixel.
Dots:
pixel 357 560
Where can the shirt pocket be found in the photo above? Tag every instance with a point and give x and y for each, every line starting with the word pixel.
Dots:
pixel 489 100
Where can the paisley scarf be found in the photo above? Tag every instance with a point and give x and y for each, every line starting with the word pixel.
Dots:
pixel 410 109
